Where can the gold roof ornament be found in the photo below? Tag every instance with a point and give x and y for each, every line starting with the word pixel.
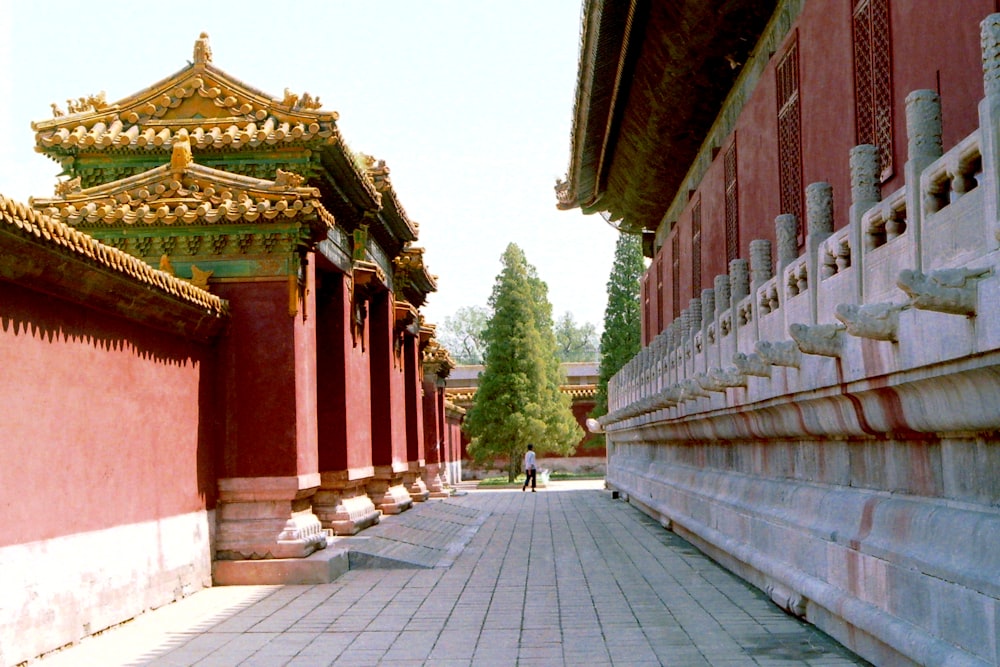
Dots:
pixel 202 50
pixel 181 157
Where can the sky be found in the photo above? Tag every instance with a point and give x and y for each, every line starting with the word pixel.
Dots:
pixel 470 104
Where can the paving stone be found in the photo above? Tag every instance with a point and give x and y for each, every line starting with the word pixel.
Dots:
pixel 566 578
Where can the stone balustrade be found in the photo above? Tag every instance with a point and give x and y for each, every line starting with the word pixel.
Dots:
pixel 937 229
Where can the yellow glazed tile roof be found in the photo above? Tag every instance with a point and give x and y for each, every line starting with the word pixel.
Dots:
pixel 184 192
pixel 200 104
pixel 23 221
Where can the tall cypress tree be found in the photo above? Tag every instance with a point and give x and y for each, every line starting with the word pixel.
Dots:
pixel 518 400
pixel 621 339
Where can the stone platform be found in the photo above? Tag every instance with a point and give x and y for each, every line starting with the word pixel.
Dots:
pixel 564 577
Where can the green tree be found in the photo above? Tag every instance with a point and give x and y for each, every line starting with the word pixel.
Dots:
pixel 518 400
pixel 576 342
pixel 462 334
pixel 621 339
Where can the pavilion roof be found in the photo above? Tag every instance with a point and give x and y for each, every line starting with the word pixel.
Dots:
pixel 207 107
pixel 652 79
pixel 184 192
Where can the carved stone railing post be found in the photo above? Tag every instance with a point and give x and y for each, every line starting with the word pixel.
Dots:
pixel 989 127
pixel 819 227
pixel 739 283
pixel 760 263
pixel 697 333
pixel 722 297
pixel 684 344
pixel 668 352
pixel 865 193
pixel 786 229
pixel 923 127
pixel 710 333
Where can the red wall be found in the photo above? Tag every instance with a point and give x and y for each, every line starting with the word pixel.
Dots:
pixel 344 380
pixel 414 407
pixel 387 386
pixel 433 426
pixel 105 422
pixel 270 383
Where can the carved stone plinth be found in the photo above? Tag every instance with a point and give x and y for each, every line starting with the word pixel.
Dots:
pixel 267 517
pixel 413 482
pixel 343 505
pixel 435 484
pixel 387 493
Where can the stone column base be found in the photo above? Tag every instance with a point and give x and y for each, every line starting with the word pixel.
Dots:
pixel 413 482
pixel 435 485
pixel 267 517
pixel 387 492
pixel 342 504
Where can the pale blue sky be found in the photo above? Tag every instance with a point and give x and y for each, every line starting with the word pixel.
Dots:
pixel 468 102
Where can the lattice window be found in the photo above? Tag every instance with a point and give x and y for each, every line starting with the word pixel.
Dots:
pixel 675 282
pixel 873 79
pixel 696 247
pixel 732 206
pixel 790 135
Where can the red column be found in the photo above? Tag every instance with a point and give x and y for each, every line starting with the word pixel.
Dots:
pixel 269 468
pixel 413 478
pixel 434 436
pixel 345 410
pixel 388 410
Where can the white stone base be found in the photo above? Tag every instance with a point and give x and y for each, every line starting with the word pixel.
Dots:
pixel 321 567
pixel 55 592
pixel 389 496
pixel 345 511
pixel 267 517
pixel 435 485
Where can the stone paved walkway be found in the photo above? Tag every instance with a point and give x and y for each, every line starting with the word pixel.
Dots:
pixel 565 576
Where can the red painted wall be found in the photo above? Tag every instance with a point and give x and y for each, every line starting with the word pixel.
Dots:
pixel 935 45
pixel 433 427
pixel 351 444
pixel 268 373
pixel 414 408
pixel 387 386
pixel 105 422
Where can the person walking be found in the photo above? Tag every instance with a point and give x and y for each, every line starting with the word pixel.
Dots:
pixel 529 468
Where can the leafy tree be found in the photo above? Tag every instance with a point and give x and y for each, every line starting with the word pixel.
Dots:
pixel 621 339
pixel 518 400
pixel 462 334
pixel 576 342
